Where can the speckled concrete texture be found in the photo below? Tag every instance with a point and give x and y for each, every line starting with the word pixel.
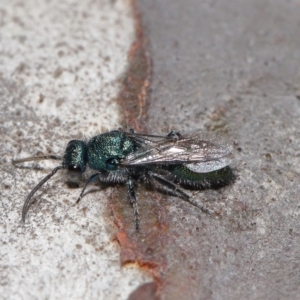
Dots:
pixel 60 69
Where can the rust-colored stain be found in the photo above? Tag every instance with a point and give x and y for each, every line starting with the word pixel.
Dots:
pixel 136 82
pixel 147 247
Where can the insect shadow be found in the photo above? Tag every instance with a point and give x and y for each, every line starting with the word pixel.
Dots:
pixel 196 161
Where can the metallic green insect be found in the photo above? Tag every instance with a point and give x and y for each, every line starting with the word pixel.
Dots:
pixel 167 162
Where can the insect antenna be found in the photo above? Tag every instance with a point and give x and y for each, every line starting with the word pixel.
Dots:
pixel 28 201
pixel 36 158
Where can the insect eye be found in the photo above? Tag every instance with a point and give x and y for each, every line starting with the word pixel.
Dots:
pixel 74 168
pixel 112 163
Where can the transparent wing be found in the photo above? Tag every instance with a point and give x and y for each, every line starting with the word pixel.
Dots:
pixel 201 152
pixel 209 166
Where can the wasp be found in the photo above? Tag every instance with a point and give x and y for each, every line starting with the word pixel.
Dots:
pixel 167 163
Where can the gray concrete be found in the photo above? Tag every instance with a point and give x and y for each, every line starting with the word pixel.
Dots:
pixel 60 63
pixel 234 67
pixel 229 66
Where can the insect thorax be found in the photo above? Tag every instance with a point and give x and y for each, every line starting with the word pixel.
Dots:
pixel 104 151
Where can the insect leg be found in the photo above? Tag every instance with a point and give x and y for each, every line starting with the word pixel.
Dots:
pixel 86 184
pixel 131 192
pixel 177 191
pixel 167 185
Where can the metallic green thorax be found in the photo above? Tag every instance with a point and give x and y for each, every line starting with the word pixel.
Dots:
pixel 105 150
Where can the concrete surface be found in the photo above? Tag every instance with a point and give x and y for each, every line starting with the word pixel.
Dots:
pixel 60 64
pixel 227 66
pixel 233 67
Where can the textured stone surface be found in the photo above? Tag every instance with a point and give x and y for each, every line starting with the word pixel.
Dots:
pixel 233 67
pixel 60 64
pixel 227 66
